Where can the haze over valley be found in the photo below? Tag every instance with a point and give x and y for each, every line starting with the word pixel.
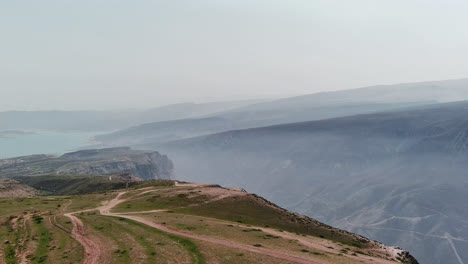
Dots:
pixel 386 162
pixel 234 132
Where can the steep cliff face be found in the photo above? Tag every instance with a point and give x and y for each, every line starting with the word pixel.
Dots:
pixel 146 165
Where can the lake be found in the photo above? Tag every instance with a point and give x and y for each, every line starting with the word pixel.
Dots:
pixel 21 144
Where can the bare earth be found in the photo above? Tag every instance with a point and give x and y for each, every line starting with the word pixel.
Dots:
pixel 92 250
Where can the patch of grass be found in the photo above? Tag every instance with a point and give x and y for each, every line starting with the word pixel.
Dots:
pixel 189 245
pixel 186 227
pixel 82 184
pixel 112 231
pixel 41 254
pixel 158 201
pixel 252 230
pixel 18 206
pixel 270 237
pixel 62 245
pixel 10 255
pixel 353 244
pixel 253 210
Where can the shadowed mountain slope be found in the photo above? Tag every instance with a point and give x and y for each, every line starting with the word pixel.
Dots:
pixel 295 109
pixel 398 177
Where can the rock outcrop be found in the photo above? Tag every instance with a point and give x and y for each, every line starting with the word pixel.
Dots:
pixel 146 165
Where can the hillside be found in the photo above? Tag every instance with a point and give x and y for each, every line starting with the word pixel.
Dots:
pixel 10 188
pixel 146 165
pixel 78 184
pixel 153 134
pixel 397 177
pixel 175 223
pixel 165 131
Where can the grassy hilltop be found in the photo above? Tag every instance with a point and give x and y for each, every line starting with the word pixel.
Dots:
pixel 169 222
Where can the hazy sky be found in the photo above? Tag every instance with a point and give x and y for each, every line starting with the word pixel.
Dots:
pixel 100 54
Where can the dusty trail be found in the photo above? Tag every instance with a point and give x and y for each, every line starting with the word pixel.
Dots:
pixel 105 210
pixel 271 231
pixel 27 248
pixel 218 241
pixel 92 250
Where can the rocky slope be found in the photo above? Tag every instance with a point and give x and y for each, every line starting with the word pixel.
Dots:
pixel 146 165
pixel 10 188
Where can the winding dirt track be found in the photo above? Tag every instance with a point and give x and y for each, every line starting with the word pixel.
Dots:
pixel 105 210
pixel 92 250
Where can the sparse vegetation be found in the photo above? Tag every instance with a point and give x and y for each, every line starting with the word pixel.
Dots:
pixel 255 211
pixel 245 220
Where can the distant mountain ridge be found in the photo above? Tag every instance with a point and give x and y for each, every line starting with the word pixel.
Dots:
pixel 165 131
pixel 429 91
pixel 109 120
pixel 303 108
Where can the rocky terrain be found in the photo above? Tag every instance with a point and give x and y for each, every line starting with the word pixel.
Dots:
pixel 146 165
pixel 10 188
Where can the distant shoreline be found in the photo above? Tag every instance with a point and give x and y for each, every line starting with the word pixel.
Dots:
pixel 14 133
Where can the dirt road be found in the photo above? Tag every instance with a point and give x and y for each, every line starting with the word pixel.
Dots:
pixel 92 250
pixel 106 210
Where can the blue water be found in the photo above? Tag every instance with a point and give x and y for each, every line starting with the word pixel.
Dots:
pixel 43 143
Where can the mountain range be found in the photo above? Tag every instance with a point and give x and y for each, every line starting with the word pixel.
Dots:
pixel 387 161
pixel 289 110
